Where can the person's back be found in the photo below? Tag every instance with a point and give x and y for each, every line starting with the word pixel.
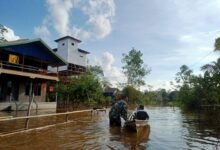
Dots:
pixel 119 109
pixel 141 114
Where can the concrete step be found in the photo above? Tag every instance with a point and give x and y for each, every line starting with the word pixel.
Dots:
pixel 24 105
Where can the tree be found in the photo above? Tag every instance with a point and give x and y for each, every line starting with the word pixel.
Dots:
pixel 2 31
pixel 217 44
pixel 134 68
pixel 184 74
pixel 133 95
pixel 83 90
pixel 213 68
pixel 96 71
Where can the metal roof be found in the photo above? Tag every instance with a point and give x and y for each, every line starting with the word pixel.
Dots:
pixel 110 90
pixel 83 51
pixel 70 37
pixel 35 48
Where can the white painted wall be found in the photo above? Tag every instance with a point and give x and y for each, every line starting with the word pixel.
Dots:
pixel 69 51
pixel 62 49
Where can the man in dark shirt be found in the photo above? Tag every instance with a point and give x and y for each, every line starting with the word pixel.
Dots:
pixel 118 110
pixel 141 114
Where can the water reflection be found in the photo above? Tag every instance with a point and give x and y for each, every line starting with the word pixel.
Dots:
pixel 130 139
pixel 168 129
pixel 203 130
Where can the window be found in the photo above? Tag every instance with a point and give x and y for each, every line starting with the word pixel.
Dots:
pixel 36 89
pixel 81 56
pixel 73 44
pixel 9 87
pixel 63 44
pixel 27 88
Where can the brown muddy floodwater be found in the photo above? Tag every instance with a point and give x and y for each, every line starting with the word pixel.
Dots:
pixel 170 129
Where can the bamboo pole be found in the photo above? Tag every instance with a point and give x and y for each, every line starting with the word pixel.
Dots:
pixel 46 115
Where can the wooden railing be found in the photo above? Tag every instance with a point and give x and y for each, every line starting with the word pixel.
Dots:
pixel 28 118
pixel 210 107
pixel 26 68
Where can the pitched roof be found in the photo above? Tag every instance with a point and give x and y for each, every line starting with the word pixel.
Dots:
pixel 70 37
pixel 14 42
pixel 83 51
pixel 110 90
pixel 19 46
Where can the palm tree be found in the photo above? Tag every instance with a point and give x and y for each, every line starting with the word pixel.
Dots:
pixel 213 68
pixel 217 44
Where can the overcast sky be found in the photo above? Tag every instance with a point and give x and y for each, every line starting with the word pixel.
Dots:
pixel 169 33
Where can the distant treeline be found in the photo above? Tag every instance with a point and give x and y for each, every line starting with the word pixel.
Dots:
pixel 196 90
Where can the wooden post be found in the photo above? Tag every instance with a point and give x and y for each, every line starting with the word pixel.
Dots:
pixel 30 97
pixel 30 102
pixel 22 62
pixel 56 94
pixel 67 116
pixel 57 83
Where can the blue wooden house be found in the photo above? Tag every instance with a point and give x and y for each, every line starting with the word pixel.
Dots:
pixel 24 70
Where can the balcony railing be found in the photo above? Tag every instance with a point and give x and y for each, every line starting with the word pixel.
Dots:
pixel 26 68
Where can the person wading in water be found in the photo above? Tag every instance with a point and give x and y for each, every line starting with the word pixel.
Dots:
pixel 118 110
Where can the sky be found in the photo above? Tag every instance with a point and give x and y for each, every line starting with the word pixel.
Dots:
pixel 169 33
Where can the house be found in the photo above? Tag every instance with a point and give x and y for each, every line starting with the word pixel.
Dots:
pixel 68 49
pixel 24 71
pixel 110 92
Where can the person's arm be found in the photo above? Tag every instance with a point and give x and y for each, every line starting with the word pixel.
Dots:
pixel 124 112
pixel 134 115
pixel 147 116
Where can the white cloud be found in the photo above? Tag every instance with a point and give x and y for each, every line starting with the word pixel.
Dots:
pixel 59 12
pixel 157 84
pixel 42 31
pixel 99 15
pixel 112 73
pixel 107 61
pixel 10 35
pixel 197 47
pixel 102 26
pixel 80 33
pixel 188 39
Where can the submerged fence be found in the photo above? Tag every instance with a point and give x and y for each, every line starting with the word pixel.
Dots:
pixel 10 126
pixel 210 107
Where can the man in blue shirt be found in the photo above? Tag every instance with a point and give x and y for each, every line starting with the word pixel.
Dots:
pixel 141 114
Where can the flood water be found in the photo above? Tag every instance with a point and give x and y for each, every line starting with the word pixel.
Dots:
pixel 170 129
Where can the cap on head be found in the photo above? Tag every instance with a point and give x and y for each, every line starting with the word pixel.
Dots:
pixel 141 106
pixel 120 95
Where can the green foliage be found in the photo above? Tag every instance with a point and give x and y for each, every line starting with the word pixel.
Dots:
pixel 134 96
pixel 2 31
pixel 217 44
pixel 154 98
pixel 183 77
pixel 134 68
pixel 85 89
pixel 195 91
pixel 96 71
pixel 137 97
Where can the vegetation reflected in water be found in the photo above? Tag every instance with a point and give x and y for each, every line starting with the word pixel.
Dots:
pixel 170 128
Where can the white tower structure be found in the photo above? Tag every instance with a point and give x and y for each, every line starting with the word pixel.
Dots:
pixel 68 49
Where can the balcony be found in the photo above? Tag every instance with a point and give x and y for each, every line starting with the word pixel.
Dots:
pixel 27 71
